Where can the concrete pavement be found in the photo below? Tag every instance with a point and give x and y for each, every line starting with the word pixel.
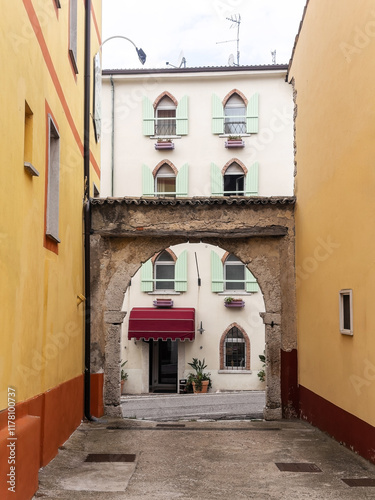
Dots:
pixel 191 460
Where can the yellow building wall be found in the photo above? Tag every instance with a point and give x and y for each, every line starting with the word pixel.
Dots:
pixel 333 68
pixel 42 328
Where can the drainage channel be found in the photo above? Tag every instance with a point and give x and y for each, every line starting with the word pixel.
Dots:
pixel 183 428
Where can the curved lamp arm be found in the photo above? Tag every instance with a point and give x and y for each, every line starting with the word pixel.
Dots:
pixel 140 52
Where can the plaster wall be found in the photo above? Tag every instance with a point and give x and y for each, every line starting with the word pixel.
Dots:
pixel 335 236
pixel 271 146
pixel 41 324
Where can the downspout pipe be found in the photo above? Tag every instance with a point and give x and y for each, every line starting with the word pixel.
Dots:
pixel 113 138
pixel 87 210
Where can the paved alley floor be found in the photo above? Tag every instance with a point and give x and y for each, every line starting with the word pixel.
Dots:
pixel 217 405
pixel 131 459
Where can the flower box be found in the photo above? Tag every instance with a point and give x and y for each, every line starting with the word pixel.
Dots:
pixel 164 145
pixel 163 303
pixel 234 303
pixel 234 143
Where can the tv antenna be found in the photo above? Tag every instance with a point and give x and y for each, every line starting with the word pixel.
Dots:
pixel 235 20
pixel 181 61
pixel 273 54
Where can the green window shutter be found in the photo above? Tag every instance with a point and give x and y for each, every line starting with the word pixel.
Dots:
pixel 217 273
pixel 251 282
pixel 180 273
pixel 252 115
pixel 146 277
pixel 147 182
pixel 182 116
pixel 217 115
pixel 252 180
pixel 148 117
pixel 182 181
pixel 217 181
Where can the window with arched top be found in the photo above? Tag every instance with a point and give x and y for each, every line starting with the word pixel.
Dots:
pixel 235 116
pixel 165 272
pixel 231 275
pixel 164 268
pixel 235 349
pixel 165 117
pixel 165 181
pixel 234 180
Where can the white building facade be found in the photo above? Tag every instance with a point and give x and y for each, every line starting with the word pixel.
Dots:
pixel 195 132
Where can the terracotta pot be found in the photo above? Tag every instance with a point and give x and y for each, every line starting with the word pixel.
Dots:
pixel 122 386
pixel 203 389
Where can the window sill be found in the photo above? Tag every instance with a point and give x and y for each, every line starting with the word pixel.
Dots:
pixel 235 372
pixel 232 293
pixel 164 292
pixel 165 137
pixel 226 136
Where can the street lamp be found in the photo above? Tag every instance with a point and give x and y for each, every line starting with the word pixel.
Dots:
pixel 98 81
pixel 140 52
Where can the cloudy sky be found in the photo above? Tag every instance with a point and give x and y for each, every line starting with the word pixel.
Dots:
pixel 166 28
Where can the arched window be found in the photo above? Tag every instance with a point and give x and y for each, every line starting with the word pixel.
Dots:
pixel 234 180
pixel 165 117
pixel 164 271
pixel 165 181
pixel 235 349
pixel 234 273
pixel 235 116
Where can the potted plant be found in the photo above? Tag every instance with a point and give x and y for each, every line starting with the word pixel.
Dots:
pixel 231 302
pixel 262 372
pixel 200 380
pixel 124 376
pixel 164 144
pixel 234 141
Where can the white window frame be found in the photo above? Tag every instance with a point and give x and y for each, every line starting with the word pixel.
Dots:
pixel 234 263
pixel 233 105
pixel 53 183
pixel 165 175
pixel 342 294
pixel 164 107
pixel 170 263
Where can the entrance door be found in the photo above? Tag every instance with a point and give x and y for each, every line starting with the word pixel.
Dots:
pixel 163 366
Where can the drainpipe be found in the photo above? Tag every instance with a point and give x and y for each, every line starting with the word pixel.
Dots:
pixel 87 209
pixel 113 137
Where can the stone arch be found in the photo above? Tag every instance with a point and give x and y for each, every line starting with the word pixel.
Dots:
pixel 232 92
pixel 234 160
pixel 164 162
pixel 165 94
pixel 247 345
pixel 127 232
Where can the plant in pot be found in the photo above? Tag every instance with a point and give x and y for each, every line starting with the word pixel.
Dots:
pixel 231 302
pixel 124 376
pixel 200 380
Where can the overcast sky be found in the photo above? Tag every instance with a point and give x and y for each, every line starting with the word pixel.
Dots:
pixel 166 28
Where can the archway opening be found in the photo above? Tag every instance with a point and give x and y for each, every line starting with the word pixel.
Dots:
pixel 224 295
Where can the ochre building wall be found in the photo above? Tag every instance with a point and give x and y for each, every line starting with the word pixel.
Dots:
pixel 332 70
pixel 42 325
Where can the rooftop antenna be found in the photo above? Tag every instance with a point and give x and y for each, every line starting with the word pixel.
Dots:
pixel 181 61
pixel 273 54
pixel 235 20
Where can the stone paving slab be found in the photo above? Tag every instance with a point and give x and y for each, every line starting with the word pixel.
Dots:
pixel 204 460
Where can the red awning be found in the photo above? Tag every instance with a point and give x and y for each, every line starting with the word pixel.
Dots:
pixel 150 323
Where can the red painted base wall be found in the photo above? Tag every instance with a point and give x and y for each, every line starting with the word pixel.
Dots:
pixel 349 430
pixel 42 425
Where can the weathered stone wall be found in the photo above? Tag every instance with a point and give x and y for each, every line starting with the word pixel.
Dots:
pixel 127 232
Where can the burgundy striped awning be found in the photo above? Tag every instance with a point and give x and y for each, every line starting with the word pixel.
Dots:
pixel 151 323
